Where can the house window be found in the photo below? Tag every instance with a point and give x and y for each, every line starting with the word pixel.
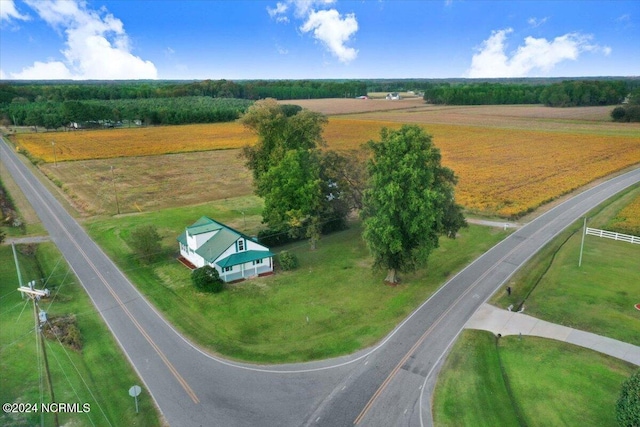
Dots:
pixel 227 269
pixel 240 245
pixel 258 261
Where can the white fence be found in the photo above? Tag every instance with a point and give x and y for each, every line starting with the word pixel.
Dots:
pixel 615 236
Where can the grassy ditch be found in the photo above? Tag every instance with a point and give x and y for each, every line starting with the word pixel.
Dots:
pixel 333 304
pixel 599 296
pixel 526 381
pixel 98 374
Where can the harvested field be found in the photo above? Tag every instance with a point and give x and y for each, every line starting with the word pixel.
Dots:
pixel 526 117
pixel 350 106
pixel 152 182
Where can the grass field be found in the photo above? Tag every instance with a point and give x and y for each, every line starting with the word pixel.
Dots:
pixel 529 381
pixel 598 297
pixel 98 374
pixel 264 319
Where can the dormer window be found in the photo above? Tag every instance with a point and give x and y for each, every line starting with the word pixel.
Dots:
pixel 240 245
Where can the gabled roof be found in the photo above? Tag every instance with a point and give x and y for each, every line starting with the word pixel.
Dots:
pixel 242 257
pixel 215 246
pixel 220 242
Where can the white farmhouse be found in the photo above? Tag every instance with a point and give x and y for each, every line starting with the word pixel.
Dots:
pixel 235 255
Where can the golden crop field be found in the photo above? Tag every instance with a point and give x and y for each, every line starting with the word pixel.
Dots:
pixel 501 170
pixel 125 142
pixel 628 219
pixel 509 172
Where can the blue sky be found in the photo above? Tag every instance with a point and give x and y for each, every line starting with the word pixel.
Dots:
pixel 317 39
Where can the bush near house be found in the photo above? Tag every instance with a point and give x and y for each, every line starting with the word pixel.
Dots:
pixel 207 279
pixel 288 260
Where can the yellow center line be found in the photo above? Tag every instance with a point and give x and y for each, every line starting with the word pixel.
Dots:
pixel 144 333
pixel 395 370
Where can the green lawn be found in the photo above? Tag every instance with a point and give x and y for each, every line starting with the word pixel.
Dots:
pixel 526 381
pixel 333 304
pixel 98 374
pixel 599 296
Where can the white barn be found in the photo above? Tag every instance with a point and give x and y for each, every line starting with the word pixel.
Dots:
pixel 236 256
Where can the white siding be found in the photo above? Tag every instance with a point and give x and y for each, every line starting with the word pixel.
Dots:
pixel 255 246
pixel 230 251
pixel 199 239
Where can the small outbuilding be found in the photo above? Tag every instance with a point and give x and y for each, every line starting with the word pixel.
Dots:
pixel 235 255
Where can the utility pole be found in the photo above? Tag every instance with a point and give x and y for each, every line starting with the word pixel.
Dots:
pixel 584 232
pixel 40 318
pixel 115 190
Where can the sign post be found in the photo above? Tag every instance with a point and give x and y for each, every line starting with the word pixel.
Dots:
pixel 135 392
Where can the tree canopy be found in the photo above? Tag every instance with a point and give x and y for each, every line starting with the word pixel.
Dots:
pixel 628 404
pixel 409 202
pixel 145 242
pixel 300 195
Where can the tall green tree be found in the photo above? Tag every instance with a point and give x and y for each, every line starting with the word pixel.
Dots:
pixel 293 198
pixel 288 169
pixel 410 201
pixel 145 242
pixel 279 128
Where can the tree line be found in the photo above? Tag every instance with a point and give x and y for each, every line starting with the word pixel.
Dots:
pixel 570 93
pixel 42 91
pixel 109 113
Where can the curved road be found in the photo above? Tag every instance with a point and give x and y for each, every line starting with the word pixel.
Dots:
pixel 387 385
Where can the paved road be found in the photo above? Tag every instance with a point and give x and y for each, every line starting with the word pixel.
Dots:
pixel 387 385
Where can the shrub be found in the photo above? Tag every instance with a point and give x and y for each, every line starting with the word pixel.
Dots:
pixel 288 261
pixel 145 242
pixel 65 330
pixel 628 405
pixel 618 114
pixel 207 279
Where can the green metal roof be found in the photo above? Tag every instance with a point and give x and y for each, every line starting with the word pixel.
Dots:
pixel 242 257
pixel 220 242
pixel 204 225
pixel 215 246
pixel 182 238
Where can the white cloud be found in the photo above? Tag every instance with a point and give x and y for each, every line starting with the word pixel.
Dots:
pixel 97 47
pixel 280 9
pixel 304 7
pixel 326 25
pixel 2 75
pixel 332 30
pixel 537 54
pixel 535 22
pixel 8 11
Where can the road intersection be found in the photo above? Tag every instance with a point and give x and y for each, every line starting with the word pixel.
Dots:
pixel 387 385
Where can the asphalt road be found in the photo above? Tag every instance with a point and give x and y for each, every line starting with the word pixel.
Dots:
pixel 388 385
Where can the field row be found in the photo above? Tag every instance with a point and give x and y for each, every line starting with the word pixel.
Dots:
pixel 628 219
pixel 501 171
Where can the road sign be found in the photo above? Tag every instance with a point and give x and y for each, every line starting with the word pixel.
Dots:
pixel 135 392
